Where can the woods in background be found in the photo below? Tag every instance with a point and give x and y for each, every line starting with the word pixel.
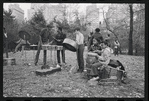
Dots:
pixel 126 22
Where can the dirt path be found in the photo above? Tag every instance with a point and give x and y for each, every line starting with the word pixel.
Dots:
pixel 21 81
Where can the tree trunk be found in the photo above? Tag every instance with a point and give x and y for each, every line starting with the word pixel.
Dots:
pixel 130 49
pixel 7 48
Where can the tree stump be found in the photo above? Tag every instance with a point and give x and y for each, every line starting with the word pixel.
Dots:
pixel 9 61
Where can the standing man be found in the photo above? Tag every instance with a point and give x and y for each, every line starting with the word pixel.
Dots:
pixel 59 38
pixel 80 50
pixel 44 38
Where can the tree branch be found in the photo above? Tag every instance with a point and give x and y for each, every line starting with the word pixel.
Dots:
pixel 107 25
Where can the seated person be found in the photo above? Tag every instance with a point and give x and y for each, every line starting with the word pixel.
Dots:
pixel 96 35
pixel 105 60
pixel 95 45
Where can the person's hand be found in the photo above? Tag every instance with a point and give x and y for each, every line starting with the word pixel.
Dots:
pixel 51 42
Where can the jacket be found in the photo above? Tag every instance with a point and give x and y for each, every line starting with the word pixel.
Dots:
pixel 59 38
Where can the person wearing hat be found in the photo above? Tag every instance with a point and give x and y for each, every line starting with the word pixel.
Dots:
pixel 80 49
pixel 59 38
pixel 98 37
pixel 44 38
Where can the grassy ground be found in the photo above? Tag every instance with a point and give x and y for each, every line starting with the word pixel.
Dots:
pixel 21 81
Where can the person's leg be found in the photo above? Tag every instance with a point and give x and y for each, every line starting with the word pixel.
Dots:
pixel 95 69
pixel 81 51
pixel 44 57
pixel 19 45
pixel 119 76
pixel 58 56
pixel 38 52
pixel 78 58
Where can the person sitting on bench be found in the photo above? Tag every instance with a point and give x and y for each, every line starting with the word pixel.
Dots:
pixel 95 48
pixel 105 60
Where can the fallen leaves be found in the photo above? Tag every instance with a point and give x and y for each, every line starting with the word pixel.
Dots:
pixel 21 81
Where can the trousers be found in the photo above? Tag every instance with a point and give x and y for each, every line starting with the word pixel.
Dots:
pixel 38 52
pixel 63 56
pixel 80 57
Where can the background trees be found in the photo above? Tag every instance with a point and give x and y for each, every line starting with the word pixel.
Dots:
pixel 126 22
pixel 123 21
pixel 11 25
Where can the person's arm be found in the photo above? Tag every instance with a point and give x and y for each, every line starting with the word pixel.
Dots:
pixel 63 37
pixel 28 42
pixel 77 39
pixel 118 43
pixel 40 40
pixel 98 51
pixel 104 58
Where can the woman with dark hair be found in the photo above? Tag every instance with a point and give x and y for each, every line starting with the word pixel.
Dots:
pixel 95 47
pixel 98 37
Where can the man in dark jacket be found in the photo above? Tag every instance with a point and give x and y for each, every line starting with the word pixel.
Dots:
pixel 98 37
pixel 44 38
pixel 59 38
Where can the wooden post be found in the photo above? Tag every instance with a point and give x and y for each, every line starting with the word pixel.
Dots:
pixel 44 56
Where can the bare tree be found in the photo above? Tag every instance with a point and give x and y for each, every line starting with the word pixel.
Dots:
pixel 91 13
pixel 117 25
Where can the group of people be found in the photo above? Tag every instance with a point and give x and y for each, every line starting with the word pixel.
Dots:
pixel 96 44
pixel 102 47
pixel 47 37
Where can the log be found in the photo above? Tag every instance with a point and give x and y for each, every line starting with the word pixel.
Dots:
pixel 42 72
pixel 9 61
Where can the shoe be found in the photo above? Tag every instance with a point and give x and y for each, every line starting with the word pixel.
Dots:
pixel 57 66
pixel 95 78
pixel 122 81
pixel 35 64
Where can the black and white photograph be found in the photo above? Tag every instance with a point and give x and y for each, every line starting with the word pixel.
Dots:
pixel 75 50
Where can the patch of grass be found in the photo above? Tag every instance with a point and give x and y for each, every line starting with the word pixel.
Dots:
pixel 64 84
